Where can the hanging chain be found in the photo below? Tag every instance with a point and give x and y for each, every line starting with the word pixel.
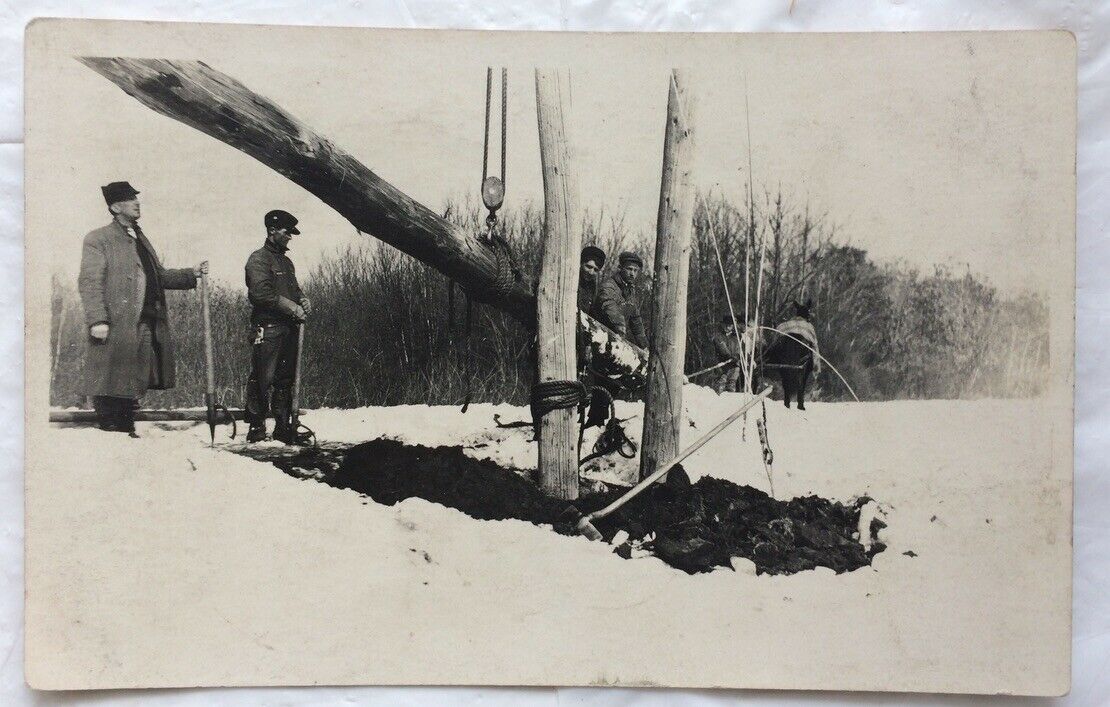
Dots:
pixel 493 188
pixel 504 122
pixel 765 443
pixel 485 142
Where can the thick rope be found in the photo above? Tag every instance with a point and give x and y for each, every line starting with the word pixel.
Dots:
pixel 560 395
pixel 556 395
pixel 507 274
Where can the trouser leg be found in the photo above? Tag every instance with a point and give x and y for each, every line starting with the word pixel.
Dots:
pixel 115 414
pixel 284 372
pixel 733 382
pixel 727 380
pixel 147 372
pixel 266 352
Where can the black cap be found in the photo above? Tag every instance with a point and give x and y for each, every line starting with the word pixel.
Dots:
pixel 281 219
pixel 630 257
pixel 592 252
pixel 727 319
pixel 118 191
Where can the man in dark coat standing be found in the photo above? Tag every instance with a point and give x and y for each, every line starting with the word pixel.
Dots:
pixel 122 285
pixel 278 308
pixel 618 300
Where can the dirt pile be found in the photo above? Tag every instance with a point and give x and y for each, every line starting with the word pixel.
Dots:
pixel 696 527
pixel 693 527
pixel 388 472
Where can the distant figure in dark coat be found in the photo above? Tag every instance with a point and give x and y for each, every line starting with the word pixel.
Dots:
pixel 122 286
pixel 278 307
pixel 797 352
pixel 618 300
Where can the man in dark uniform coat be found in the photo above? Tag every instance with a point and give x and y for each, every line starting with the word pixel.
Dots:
pixel 122 285
pixel 278 307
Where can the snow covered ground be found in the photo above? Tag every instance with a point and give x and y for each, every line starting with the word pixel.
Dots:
pixel 229 556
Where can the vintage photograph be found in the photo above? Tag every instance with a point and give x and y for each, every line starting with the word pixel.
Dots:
pixel 500 358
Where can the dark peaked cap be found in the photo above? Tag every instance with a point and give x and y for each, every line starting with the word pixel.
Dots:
pixel 281 219
pixel 118 191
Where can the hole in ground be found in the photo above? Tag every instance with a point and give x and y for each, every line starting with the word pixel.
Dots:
pixel 693 527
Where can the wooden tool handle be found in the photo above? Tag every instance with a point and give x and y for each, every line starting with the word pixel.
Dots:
pixel 297 374
pixel 206 314
pixel 658 473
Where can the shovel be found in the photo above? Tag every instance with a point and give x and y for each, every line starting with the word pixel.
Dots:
pixel 212 409
pixel 585 524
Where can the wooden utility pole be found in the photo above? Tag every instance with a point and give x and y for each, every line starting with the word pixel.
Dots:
pixel 556 297
pixel 663 402
pixel 216 104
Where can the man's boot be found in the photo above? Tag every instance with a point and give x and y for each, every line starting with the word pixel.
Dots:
pixel 283 417
pixel 127 417
pixel 257 432
pixel 112 413
pixel 287 435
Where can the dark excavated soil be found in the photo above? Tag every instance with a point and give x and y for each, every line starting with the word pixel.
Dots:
pixel 693 527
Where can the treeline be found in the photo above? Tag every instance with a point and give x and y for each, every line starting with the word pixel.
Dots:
pixel 388 330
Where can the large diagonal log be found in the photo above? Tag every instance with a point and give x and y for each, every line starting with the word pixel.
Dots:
pixel 216 104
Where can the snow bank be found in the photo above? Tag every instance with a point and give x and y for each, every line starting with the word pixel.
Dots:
pixel 265 560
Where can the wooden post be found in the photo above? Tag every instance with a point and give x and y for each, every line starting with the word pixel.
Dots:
pixel 209 359
pixel 663 401
pixel 556 297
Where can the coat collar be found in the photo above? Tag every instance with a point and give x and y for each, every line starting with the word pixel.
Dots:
pixel 274 248
pixel 119 229
pixel 626 287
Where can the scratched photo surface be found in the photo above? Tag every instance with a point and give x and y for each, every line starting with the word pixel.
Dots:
pixel 498 358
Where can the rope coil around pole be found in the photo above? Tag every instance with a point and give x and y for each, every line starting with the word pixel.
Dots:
pixel 556 395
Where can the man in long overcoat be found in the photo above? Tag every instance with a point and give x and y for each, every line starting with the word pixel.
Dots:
pixel 122 285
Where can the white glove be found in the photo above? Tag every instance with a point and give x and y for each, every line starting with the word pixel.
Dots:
pixel 99 331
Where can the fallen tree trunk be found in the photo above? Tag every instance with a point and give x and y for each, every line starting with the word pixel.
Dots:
pixel 216 104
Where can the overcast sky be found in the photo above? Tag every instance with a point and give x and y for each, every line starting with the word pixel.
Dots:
pixel 928 148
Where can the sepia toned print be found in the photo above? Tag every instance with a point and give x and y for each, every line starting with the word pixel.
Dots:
pixel 548 359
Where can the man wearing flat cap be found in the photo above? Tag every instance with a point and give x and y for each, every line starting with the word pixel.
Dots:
pixel 277 308
pixel 122 285
pixel 618 300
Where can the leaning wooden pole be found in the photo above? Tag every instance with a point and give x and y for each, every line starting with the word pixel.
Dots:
pixel 216 104
pixel 663 400
pixel 556 297
pixel 223 416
